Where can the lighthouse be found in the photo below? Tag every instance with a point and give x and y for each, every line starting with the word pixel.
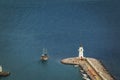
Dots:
pixel 81 52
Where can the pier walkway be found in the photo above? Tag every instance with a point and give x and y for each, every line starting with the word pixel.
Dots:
pixel 91 66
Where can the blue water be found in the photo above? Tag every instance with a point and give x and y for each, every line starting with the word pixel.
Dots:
pixel 28 26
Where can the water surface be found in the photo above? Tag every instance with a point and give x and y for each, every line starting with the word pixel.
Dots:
pixel 26 27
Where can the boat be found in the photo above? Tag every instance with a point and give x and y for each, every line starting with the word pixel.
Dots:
pixel 3 73
pixel 82 71
pixel 84 75
pixel 44 56
pixel 76 65
pixel 86 78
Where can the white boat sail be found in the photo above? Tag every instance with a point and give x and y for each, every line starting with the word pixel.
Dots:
pixel 0 68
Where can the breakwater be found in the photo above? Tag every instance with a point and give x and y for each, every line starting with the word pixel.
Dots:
pixel 91 66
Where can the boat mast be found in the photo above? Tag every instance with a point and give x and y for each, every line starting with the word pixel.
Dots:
pixel 44 51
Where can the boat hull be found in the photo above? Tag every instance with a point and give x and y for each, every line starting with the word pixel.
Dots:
pixel 4 74
pixel 44 58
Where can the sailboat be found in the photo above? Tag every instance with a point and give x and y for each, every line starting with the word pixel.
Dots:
pixel 44 56
pixel 3 73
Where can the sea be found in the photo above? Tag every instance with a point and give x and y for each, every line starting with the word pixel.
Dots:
pixel 61 26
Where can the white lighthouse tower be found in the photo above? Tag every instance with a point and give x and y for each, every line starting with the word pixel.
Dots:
pixel 81 56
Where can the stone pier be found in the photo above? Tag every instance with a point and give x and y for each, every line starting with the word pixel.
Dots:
pixel 91 66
